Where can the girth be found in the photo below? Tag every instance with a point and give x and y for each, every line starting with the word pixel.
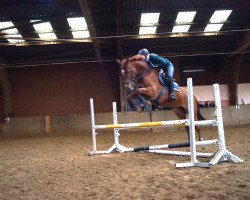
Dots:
pixel 155 101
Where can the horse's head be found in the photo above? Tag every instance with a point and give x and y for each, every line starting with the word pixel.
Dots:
pixel 129 73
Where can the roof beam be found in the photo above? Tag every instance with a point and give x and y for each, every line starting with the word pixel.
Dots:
pixel 243 43
pixel 39 41
pixel 169 35
pixel 87 14
pixel 185 8
pixel 170 24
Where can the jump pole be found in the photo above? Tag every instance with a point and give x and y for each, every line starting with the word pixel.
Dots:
pixel 222 155
pixel 92 115
pixel 194 162
pixel 151 149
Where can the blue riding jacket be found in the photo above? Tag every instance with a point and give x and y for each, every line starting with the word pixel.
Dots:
pixel 156 61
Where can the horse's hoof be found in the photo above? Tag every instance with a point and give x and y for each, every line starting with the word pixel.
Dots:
pixel 138 110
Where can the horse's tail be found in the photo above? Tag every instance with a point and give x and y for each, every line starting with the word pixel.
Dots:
pixel 199 115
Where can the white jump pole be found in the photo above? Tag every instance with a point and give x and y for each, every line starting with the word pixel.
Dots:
pixel 194 162
pixel 218 114
pixel 117 146
pixel 115 120
pixel 191 120
pixel 179 153
pixel 191 127
pixel 223 154
pixel 92 114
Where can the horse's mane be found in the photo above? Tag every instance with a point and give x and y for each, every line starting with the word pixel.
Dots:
pixel 131 60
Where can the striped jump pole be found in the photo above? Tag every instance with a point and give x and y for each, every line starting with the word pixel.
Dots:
pixel 155 148
pixel 174 123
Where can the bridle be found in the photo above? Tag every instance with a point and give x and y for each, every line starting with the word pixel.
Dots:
pixel 132 84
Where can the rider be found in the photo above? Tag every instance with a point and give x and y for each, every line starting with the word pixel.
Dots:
pixel 155 61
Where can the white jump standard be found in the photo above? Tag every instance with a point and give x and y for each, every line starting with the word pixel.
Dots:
pixel 222 155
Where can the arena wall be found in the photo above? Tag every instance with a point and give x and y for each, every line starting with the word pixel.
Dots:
pixel 80 124
pixel 59 90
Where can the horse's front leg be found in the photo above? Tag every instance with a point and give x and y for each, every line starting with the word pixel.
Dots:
pixel 148 93
pixel 130 98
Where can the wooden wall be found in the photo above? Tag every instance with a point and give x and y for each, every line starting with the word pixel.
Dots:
pixel 1 103
pixel 63 89
pixel 80 124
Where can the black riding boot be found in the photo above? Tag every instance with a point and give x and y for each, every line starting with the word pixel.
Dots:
pixel 172 96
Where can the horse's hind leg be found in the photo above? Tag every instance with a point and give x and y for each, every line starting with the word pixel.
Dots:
pixel 196 118
pixel 198 129
pixel 181 114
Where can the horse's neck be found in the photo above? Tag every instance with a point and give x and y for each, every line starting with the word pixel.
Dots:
pixel 141 67
pixel 150 74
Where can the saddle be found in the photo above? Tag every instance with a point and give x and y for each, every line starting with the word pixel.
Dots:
pixel 164 89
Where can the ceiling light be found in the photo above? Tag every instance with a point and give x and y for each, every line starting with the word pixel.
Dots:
pixel 43 27
pixel 147 30
pixel 187 17
pixel 77 23
pixel 149 18
pixel 213 27
pixel 15 40
pixel 80 34
pixel 47 35
pixel 6 24
pixel 220 16
pixel 180 29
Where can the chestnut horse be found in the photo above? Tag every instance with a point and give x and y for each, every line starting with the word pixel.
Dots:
pixel 144 81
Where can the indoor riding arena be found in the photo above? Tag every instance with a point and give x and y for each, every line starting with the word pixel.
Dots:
pixel 89 109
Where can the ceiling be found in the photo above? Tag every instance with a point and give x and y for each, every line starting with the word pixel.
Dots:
pixel 114 26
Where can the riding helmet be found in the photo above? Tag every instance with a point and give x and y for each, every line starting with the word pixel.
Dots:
pixel 143 52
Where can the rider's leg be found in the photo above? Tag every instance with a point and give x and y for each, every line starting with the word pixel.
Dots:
pixel 170 81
